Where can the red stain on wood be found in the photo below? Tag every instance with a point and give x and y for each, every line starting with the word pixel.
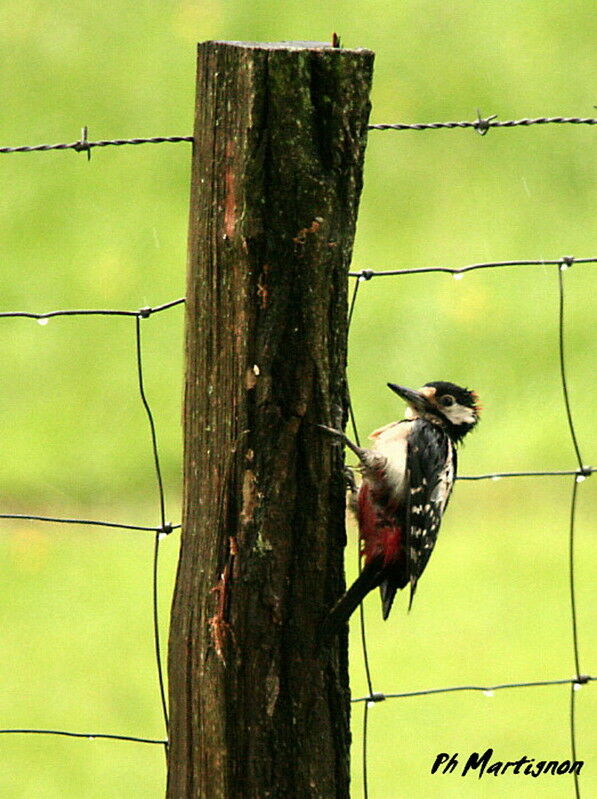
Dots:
pixel 219 626
pixel 262 290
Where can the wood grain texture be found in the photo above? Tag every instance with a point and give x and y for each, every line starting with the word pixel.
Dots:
pixel 257 708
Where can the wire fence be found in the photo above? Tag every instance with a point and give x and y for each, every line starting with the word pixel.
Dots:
pixel 580 474
pixel 482 126
pixel 160 531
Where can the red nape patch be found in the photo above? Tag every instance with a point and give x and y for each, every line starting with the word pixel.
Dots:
pixel 380 535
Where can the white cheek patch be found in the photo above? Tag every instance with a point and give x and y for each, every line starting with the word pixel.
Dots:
pixel 459 414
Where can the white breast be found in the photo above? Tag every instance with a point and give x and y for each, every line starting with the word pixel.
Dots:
pixel 391 442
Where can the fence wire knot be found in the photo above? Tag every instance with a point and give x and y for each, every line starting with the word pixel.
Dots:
pixel 83 145
pixel 482 124
pixel 581 679
pixel 375 697
pixel 566 261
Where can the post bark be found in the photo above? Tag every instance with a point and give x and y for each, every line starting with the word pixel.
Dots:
pixel 257 707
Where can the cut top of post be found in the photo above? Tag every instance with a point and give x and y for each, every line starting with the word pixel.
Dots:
pixel 292 46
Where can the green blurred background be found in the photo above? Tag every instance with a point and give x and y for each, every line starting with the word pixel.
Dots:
pixel 494 606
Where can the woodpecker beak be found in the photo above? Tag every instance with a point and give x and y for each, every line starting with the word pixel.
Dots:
pixel 414 398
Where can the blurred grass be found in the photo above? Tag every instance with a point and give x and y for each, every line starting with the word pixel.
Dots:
pixel 76 619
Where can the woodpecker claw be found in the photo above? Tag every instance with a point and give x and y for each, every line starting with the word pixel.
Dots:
pixel 331 430
pixel 351 483
pixel 358 451
pixel 352 490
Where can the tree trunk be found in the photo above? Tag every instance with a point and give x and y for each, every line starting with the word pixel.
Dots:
pixel 257 707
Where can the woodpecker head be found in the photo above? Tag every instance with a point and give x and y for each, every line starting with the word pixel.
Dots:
pixel 455 408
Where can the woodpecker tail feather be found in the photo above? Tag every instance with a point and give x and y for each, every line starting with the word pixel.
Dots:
pixel 369 578
pixel 388 592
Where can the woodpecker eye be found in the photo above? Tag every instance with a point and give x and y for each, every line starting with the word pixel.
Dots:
pixel 447 400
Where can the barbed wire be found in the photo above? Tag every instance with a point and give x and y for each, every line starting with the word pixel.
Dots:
pixel 84 146
pixel 160 531
pixel 480 125
pixel 580 474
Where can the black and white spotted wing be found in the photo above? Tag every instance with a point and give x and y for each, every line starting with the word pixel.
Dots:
pixel 430 471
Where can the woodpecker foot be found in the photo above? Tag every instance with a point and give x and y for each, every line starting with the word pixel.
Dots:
pixel 351 483
pixel 358 451
pixel 352 489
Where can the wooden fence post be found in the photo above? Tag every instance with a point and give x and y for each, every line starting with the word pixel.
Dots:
pixel 257 708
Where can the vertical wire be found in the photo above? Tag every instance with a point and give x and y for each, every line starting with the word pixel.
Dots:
pixel 574 685
pixel 156 638
pixel 156 458
pixel 577 477
pixel 350 408
pixel 154 440
pixel 364 753
pixel 575 645
pixel 363 631
pixel 358 443
pixel 353 301
pixel 563 368
pixel 573 737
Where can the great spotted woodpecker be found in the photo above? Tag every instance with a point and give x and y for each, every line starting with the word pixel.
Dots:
pixel 407 479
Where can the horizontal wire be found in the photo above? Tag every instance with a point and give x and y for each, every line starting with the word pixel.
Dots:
pixel 85 146
pixel 480 125
pixel 363 274
pixel 380 697
pixel 142 312
pixel 565 261
pixel 164 307
pixel 483 125
pixel 166 528
pixel 586 471
pixel 89 735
